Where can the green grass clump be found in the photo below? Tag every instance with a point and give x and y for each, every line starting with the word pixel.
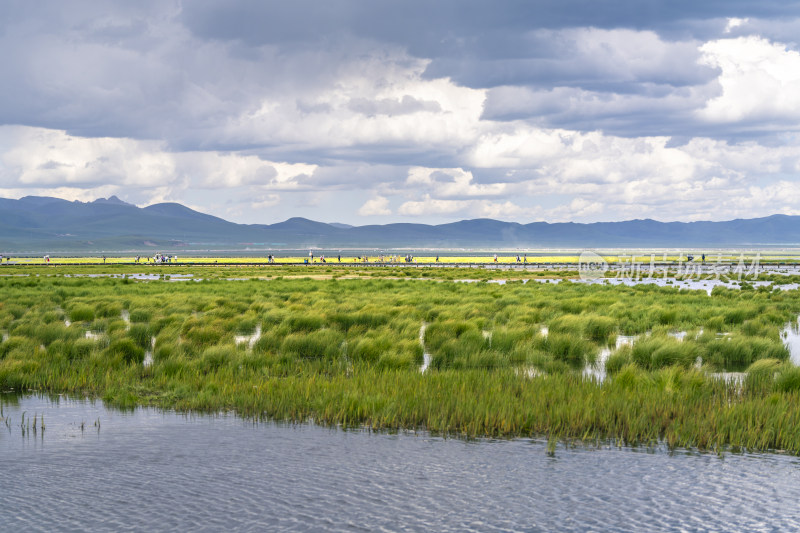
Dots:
pixel 346 321
pixel 81 313
pixel 761 375
pixel 788 379
pixel 214 358
pixel 619 359
pixel 314 345
pixel 17 348
pixel 630 378
pixel 108 309
pixel 199 336
pixel 246 325
pixel 369 349
pixel 738 352
pixel 658 352
pixel 600 328
pixel 125 350
pixel 141 315
pixel 304 323
pixel 569 349
pixel 764 367
pixel 141 334
pixel 82 349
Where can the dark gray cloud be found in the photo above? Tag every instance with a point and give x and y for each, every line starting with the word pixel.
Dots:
pixel 457 32
pixel 339 101
pixel 185 71
pixel 431 29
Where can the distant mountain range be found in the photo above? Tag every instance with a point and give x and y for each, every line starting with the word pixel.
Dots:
pixel 43 224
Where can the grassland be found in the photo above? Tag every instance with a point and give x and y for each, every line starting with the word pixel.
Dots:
pixel 500 360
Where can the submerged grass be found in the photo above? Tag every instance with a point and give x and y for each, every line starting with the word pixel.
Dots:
pixel 505 360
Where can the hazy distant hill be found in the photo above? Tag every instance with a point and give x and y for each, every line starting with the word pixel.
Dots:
pixel 34 223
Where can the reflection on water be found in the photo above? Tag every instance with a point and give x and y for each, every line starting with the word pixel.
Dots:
pixel 147 470
pixel 597 370
pixel 791 337
pixel 426 357
pixel 686 284
pixel 250 340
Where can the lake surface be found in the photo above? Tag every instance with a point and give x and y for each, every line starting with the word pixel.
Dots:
pixel 149 470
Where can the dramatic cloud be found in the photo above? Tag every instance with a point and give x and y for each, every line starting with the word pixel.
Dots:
pixel 361 112
pixel 760 82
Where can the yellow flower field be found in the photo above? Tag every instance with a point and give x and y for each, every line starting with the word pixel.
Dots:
pixel 505 259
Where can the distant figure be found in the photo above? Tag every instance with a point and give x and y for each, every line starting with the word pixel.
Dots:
pixel 437 258
pixel 519 260
pixel 704 258
pixel 495 258
pixel 104 259
pixel 311 256
pixel 525 258
pixel 339 257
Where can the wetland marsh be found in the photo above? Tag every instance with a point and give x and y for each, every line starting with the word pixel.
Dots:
pixel 499 359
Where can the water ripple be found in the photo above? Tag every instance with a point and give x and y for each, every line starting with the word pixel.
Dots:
pixel 149 470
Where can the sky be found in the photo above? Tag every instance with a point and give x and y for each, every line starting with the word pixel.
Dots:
pixel 379 111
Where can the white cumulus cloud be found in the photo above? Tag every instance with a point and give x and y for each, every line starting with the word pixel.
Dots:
pixel 760 81
pixel 375 206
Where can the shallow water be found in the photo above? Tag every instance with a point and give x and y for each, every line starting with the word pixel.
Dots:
pixel 426 357
pixel 149 470
pixel 250 340
pixel 791 338
pixel 688 284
